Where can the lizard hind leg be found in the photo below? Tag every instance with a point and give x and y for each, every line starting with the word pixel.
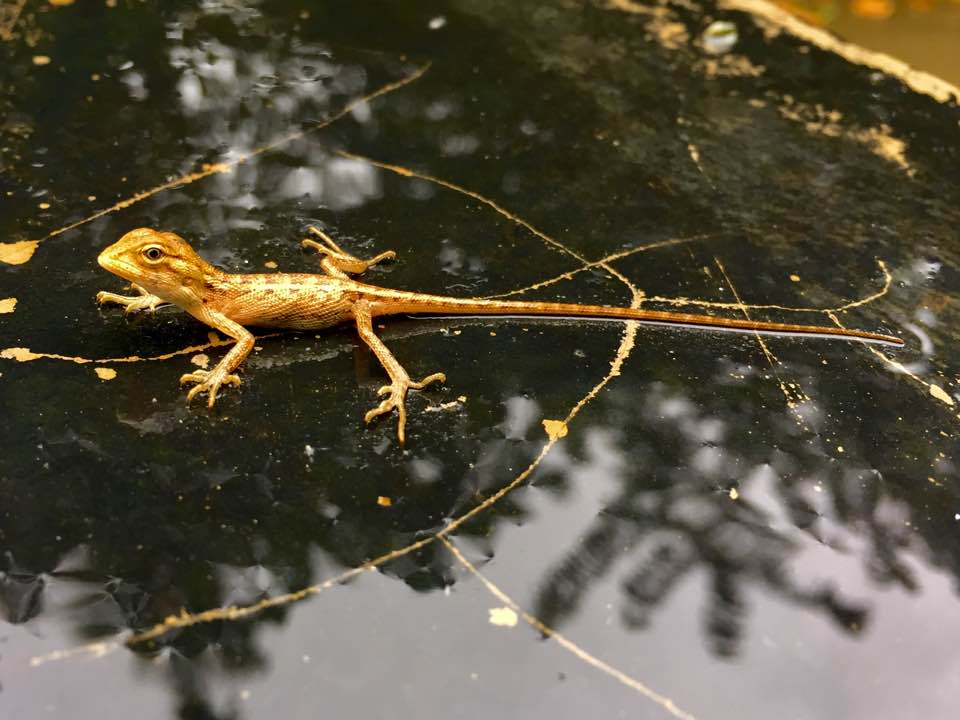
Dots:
pixel 337 262
pixel 400 382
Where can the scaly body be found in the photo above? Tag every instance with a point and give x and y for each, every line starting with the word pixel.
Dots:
pixel 165 269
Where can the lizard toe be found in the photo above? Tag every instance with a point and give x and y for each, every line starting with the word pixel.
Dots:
pixel 194 391
pixel 208 381
pixel 436 377
pixel 396 395
pixel 197 376
pixel 384 407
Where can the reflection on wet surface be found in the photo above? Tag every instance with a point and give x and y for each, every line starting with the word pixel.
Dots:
pixel 636 520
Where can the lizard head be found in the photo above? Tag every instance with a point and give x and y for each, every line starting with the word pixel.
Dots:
pixel 163 263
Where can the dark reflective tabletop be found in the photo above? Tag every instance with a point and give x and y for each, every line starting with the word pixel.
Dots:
pixel 587 517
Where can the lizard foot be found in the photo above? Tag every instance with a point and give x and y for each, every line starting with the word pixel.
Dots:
pixel 208 381
pixel 396 393
pixel 144 301
pixel 340 258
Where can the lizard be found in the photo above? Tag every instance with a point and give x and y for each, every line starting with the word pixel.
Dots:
pixel 164 269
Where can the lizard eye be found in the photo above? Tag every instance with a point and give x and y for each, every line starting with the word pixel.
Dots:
pixel 152 253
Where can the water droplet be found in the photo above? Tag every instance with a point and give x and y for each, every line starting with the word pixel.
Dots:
pixel 720 37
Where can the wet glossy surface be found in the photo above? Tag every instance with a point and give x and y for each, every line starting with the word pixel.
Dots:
pixel 728 529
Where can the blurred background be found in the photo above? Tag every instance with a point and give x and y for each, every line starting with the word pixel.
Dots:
pixel 922 33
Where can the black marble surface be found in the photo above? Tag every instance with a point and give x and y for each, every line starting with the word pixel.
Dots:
pixel 750 530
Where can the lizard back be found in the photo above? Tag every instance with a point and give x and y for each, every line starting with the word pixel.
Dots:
pixel 298 301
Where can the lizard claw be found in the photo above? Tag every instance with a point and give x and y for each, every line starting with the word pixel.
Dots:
pixel 396 394
pixel 144 301
pixel 208 381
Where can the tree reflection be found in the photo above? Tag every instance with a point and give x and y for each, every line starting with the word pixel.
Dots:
pixel 704 493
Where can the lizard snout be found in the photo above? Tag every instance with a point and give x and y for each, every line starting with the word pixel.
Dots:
pixel 108 259
pixel 112 259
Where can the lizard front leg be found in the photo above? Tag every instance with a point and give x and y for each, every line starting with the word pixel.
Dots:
pixel 143 301
pixel 400 382
pixel 210 381
pixel 337 262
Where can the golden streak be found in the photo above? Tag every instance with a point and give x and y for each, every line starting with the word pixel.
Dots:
pixel 602 262
pixel 887 282
pixel 406 172
pixel 95 650
pixel 592 660
pixel 934 390
pixel 792 392
pixel 27 355
pixel 224 167
pixel 680 302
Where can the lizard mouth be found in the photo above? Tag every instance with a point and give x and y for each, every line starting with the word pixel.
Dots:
pixel 113 264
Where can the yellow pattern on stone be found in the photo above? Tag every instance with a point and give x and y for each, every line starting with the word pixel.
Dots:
pixel 940 394
pixel 503 617
pixel 17 253
pixel 556 429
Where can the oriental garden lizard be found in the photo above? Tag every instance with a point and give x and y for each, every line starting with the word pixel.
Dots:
pixel 164 269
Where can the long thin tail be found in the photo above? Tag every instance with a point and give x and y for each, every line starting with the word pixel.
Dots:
pixel 394 302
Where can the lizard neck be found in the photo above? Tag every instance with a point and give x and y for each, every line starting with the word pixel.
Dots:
pixel 196 284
